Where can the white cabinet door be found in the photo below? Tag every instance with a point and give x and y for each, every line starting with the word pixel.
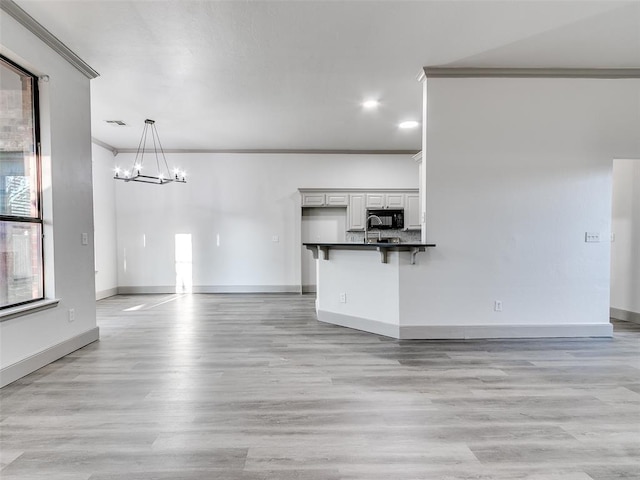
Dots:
pixel 313 199
pixel 385 200
pixel 376 200
pixel 337 199
pixel 356 212
pixel 412 212
pixel 394 200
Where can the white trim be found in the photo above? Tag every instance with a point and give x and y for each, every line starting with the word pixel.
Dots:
pixel 106 146
pixel 34 362
pixel 170 289
pixel 28 308
pixel 464 332
pixel 624 315
pixel 468 72
pixel 31 24
pixel 110 292
pixel 359 323
pixel 282 151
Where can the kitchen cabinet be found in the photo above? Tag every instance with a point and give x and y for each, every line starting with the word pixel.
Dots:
pixel 336 199
pixel 385 200
pixel 329 199
pixel 412 220
pixel 356 212
pixel 313 199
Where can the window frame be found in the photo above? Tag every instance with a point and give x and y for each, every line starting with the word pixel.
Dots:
pixel 38 218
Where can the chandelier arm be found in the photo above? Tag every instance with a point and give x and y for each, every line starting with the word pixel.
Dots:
pixel 154 134
pixel 141 145
pixel 164 158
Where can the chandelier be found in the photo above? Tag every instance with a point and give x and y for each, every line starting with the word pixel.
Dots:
pixel 140 173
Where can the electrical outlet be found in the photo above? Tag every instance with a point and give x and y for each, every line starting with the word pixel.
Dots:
pixel 343 298
pixel 72 315
pixel 85 239
pixel 497 305
pixel 275 238
pixel 592 237
pixel 613 237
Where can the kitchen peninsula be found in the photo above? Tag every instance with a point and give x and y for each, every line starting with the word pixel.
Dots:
pixel 364 285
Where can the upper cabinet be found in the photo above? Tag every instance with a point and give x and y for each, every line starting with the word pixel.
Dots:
pixel 385 200
pixel 337 199
pixel 319 199
pixel 356 212
pixel 313 199
pixel 412 212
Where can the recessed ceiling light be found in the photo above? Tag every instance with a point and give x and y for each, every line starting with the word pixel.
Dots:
pixel 370 103
pixel 409 124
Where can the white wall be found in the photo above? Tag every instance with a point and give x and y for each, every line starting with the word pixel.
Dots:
pixel 66 147
pixel 244 200
pixel 517 170
pixel 104 214
pixel 625 250
pixel 320 225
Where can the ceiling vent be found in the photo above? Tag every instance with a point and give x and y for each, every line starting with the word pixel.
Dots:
pixel 118 123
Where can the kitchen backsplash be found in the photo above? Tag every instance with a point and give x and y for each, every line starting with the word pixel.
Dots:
pixel 406 236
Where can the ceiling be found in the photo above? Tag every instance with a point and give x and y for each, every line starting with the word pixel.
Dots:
pixel 291 75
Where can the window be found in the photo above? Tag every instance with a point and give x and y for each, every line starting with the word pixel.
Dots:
pixel 21 275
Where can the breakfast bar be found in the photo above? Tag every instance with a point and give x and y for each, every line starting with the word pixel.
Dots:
pixel 382 247
pixel 367 286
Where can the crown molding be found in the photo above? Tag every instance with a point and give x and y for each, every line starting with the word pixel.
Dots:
pixel 104 145
pixel 472 72
pixel 282 151
pixel 31 24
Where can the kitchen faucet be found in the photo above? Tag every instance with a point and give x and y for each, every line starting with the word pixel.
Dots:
pixel 366 227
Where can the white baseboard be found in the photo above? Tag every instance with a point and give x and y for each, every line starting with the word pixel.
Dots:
pixel 462 332
pixel 34 362
pixel 624 315
pixel 358 323
pixel 106 293
pixel 168 289
pixel 247 289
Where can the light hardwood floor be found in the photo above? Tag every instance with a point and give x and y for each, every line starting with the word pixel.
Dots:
pixel 253 387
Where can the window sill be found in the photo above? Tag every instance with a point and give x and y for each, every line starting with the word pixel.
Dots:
pixel 28 309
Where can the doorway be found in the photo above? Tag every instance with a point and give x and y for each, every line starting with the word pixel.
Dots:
pixel 320 225
pixel 625 241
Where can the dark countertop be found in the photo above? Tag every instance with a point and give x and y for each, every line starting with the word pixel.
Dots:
pixel 365 245
pixel 383 248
